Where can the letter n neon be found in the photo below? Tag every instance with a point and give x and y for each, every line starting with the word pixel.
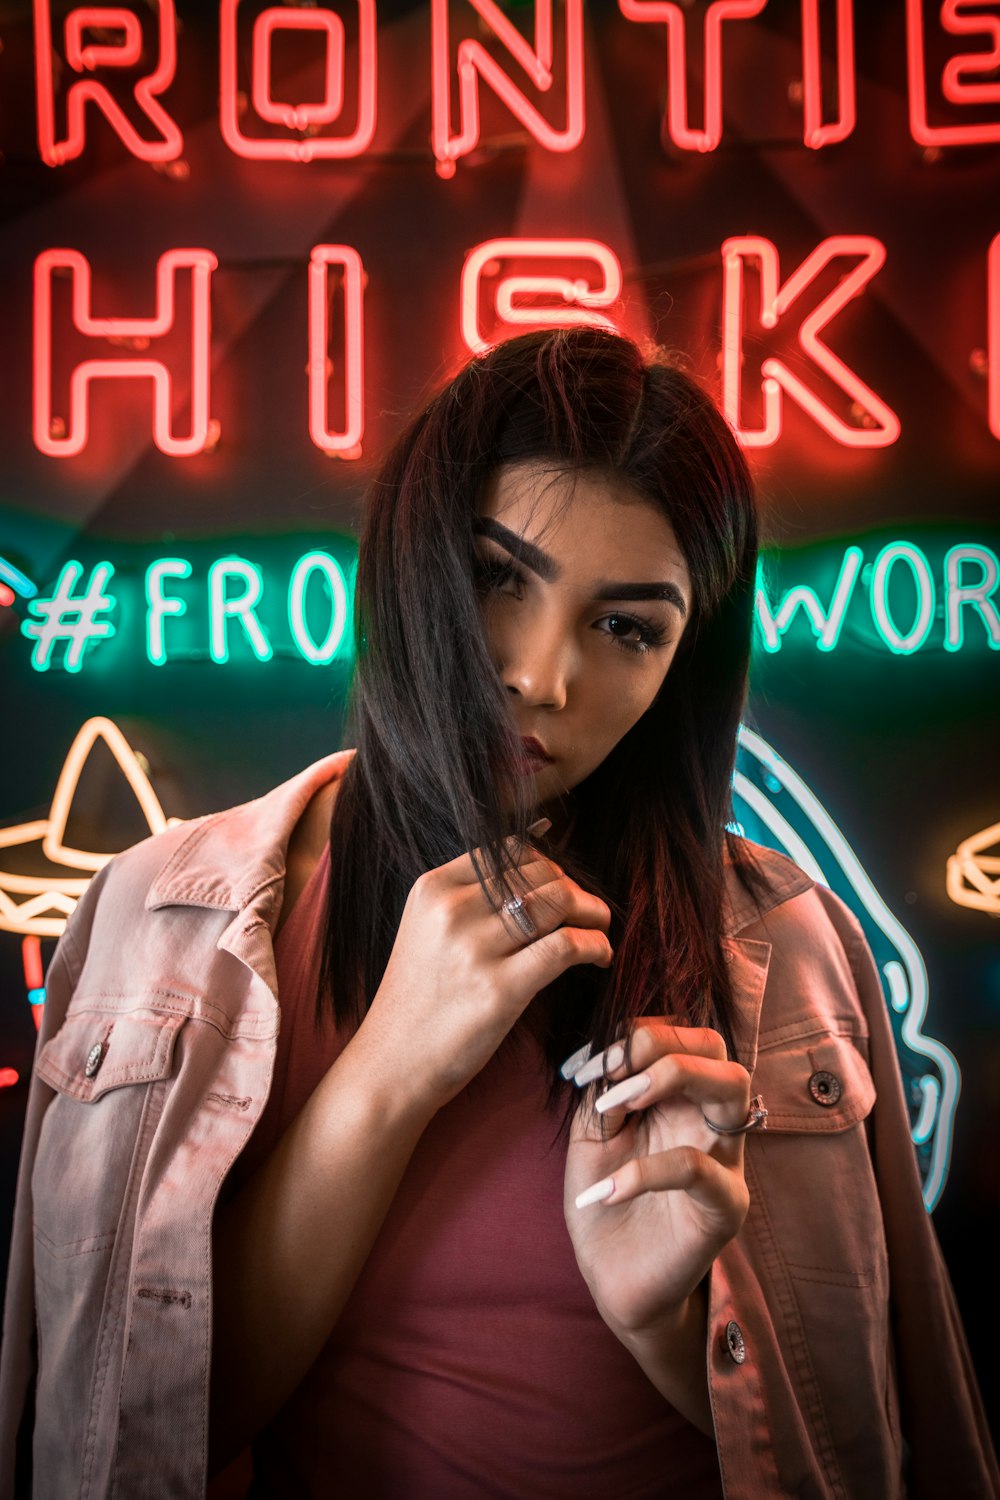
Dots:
pixel 475 63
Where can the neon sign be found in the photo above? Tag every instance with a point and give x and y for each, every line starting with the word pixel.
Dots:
pixel 968 80
pixel 69 618
pixel 475 62
pixel 973 875
pixel 879 425
pixel 576 300
pixel 816 133
pixel 39 905
pixel 306 117
pixel 346 443
pixel 962 596
pixel 677 121
pixel 54 149
pixel 960 98
pixel 581 283
pixel 199 264
pixel 228 610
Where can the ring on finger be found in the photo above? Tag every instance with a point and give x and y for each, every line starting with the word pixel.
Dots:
pixel 519 915
pixel 756 1119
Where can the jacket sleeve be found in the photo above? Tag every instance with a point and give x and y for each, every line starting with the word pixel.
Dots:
pixel 18 1355
pixel 941 1414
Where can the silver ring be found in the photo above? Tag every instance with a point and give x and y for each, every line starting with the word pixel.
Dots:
pixel 755 1120
pixel 518 913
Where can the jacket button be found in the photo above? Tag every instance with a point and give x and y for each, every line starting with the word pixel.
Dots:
pixel 735 1343
pixel 825 1088
pixel 94 1059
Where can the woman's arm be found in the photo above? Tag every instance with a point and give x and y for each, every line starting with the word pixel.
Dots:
pixel 290 1246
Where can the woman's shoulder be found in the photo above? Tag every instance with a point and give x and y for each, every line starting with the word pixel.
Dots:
pixel 222 859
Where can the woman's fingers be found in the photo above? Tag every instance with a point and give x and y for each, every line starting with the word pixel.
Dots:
pixel 554 902
pixel 542 961
pixel 650 1037
pixel 714 1187
pixel 721 1090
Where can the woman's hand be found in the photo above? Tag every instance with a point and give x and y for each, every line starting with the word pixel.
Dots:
pixel 460 975
pixel 672 1191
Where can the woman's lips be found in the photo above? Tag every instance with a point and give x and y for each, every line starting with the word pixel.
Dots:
pixel 533 756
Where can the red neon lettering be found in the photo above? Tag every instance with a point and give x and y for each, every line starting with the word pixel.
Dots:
pixel 83 58
pixel 993 335
pixel 815 133
pixel 881 423
pixel 297 117
pixel 348 442
pixel 964 78
pixel 475 62
pixel 574 300
pixel 200 264
pixel 681 132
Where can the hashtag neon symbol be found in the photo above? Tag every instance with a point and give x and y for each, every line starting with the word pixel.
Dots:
pixel 70 617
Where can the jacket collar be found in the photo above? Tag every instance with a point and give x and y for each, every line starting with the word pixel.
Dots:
pixel 784 880
pixel 230 858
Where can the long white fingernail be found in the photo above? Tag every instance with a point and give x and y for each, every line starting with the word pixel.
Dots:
pixel 576 1060
pixel 596 1194
pixel 603 1062
pixel 539 826
pixel 629 1088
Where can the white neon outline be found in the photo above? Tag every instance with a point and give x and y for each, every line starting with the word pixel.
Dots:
pixel 60 893
pixel 47 627
pixel 331 570
pixel 961 596
pixel 882 918
pixel 878 593
pixel 827 625
pixel 242 607
pixel 930 1102
pixel 160 606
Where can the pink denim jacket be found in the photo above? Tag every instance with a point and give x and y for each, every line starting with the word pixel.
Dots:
pixel 837 1363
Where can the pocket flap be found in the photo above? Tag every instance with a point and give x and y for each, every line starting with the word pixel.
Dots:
pixel 816 1083
pixel 95 1051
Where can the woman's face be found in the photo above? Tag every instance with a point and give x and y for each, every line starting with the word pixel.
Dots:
pixel 585 597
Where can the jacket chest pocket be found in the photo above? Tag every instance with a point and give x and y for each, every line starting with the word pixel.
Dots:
pixel 812 1163
pixel 109 1072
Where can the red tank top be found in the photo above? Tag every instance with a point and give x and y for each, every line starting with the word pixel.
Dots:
pixel 470 1360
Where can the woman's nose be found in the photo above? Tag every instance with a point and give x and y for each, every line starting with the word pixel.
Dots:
pixel 538 670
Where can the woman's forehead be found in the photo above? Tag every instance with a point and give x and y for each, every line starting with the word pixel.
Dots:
pixel 572 510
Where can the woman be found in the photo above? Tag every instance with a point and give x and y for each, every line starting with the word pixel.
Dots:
pixel 521 876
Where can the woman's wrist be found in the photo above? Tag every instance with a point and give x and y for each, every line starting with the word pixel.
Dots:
pixel 673 1354
pixel 383 1082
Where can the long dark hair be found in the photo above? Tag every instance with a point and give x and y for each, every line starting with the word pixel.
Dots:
pixel 433 774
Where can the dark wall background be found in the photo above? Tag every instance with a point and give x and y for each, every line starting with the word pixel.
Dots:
pixel 900 749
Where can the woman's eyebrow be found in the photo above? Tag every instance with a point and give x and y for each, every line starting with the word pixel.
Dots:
pixel 666 591
pixel 526 552
pixel 546 567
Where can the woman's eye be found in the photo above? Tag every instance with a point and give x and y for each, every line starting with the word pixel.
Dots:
pixel 633 634
pixel 495 577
